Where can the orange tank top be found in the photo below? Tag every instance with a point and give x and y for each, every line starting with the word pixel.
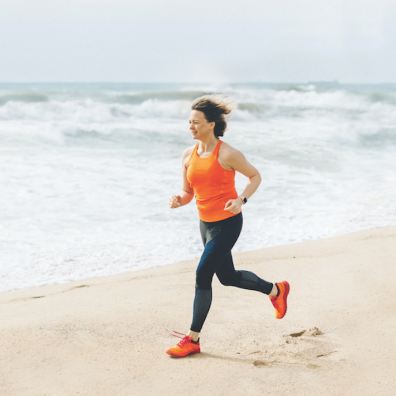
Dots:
pixel 213 185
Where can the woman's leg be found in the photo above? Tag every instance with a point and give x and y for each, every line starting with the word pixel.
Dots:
pixel 219 238
pixel 203 287
pixel 228 276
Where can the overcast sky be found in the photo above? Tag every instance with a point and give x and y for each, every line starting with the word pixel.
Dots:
pixel 198 41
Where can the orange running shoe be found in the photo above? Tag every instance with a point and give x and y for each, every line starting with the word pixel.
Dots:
pixel 280 301
pixel 185 347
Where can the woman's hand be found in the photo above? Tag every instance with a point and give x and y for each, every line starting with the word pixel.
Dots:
pixel 175 201
pixel 233 205
pixel 180 200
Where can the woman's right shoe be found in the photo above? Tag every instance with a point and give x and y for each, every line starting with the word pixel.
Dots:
pixel 184 348
pixel 280 301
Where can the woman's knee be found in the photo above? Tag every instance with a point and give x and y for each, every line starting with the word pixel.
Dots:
pixel 228 279
pixel 206 266
pixel 203 278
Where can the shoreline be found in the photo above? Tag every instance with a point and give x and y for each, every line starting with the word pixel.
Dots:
pixel 92 280
pixel 109 334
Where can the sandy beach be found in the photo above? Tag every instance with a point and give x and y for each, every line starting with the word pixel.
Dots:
pixel 108 336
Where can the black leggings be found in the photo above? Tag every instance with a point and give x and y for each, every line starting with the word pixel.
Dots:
pixel 218 238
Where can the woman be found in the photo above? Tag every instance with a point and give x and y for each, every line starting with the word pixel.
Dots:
pixel 208 173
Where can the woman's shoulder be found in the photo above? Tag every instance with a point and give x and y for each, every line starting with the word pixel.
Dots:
pixel 187 153
pixel 227 151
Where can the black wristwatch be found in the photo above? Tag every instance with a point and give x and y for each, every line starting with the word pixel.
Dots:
pixel 243 199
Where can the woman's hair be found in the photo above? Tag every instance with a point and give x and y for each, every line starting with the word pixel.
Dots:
pixel 214 108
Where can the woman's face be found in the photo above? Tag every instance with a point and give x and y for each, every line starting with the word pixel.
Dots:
pixel 200 128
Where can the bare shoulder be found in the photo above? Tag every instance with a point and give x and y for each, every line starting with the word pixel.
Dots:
pixel 227 152
pixel 232 158
pixel 186 154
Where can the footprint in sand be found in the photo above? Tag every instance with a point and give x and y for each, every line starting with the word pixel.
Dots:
pixel 314 331
pixel 259 363
pixel 303 348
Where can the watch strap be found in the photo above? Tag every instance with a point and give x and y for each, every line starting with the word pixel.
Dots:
pixel 243 199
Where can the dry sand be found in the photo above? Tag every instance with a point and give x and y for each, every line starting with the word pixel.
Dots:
pixel 108 336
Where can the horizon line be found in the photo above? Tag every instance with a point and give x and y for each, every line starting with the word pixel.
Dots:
pixel 195 82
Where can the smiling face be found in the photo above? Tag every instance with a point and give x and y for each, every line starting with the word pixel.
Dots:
pixel 200 128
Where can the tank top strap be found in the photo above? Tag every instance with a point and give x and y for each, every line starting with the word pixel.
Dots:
pixel 194 152
pixel 217 149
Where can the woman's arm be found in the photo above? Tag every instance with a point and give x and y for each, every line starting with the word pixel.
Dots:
pixel 236 160
pixel 187 193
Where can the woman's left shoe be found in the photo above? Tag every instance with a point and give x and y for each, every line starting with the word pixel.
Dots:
pixel 280 301
pixel 184 348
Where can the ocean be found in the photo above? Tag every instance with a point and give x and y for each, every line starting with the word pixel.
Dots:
pixel 87 169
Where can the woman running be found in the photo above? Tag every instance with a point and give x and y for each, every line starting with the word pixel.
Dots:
pixel 208 174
